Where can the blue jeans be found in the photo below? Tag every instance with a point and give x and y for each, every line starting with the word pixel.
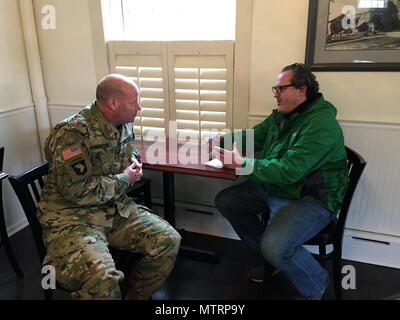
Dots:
pixel 291 223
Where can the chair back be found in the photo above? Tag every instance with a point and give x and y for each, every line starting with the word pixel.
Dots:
pixel 27 187
pixel 1 158
pixel 355 164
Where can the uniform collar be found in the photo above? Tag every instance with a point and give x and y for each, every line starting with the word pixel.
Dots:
pixel 110 131
pixel 107 128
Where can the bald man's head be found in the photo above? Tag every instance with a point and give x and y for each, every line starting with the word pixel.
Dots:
pixel 112 85
pixel 117 99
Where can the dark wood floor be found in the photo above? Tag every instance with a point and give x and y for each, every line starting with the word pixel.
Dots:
pixel 194 280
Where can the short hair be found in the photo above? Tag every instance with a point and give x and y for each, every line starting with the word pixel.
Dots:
pixel 107 88
pixel 302 76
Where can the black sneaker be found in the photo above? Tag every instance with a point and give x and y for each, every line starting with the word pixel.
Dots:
pixel 256 274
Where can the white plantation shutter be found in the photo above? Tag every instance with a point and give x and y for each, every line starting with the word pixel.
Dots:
pixel 145 63
pixel 198 75
pixel 200 83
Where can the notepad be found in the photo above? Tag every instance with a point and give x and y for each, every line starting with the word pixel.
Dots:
pixel 214 163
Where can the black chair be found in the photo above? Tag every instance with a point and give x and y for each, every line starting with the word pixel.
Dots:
pixel 3 228
pixel 27 186
pixel 332 234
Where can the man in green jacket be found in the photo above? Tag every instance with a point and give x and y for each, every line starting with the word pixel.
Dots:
pixel 84 207
pixel 301 179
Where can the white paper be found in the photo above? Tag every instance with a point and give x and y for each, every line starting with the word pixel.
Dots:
pixel 214 163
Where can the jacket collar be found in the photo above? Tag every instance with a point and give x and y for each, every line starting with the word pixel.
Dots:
pixel 282 119
pixel 304 106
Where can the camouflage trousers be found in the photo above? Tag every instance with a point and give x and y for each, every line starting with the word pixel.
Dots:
pixel 84 265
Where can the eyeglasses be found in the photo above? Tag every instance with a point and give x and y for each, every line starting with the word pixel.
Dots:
pixel 279 89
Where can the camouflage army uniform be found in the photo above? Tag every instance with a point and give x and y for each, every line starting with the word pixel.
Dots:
pixel 84 208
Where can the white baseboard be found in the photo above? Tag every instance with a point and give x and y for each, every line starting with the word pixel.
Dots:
pixel 373 248
pixel 199 218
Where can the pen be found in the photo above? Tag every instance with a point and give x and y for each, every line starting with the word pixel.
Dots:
pixel 212 138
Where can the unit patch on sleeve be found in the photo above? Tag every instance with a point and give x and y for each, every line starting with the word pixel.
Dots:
pixel 79 168
pixel 72 152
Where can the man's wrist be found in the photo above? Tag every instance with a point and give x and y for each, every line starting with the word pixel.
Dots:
pixel 124 180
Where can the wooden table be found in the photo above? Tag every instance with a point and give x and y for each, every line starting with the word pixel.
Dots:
pixel 170 157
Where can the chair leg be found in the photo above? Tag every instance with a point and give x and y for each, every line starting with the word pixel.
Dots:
pixel 337 263
pixel 8 249
pixel 48 295
pixel 147 197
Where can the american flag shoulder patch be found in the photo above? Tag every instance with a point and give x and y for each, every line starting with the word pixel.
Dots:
pixel 72 152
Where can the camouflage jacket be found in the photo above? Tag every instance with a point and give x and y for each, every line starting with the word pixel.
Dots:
pixel 87 156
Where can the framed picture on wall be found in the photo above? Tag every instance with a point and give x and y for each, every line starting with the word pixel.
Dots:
pixel 353 35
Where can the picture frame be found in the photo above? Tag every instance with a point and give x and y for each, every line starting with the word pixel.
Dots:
pixel 343 35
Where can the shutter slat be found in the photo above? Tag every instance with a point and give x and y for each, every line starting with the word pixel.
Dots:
pixel 219 106
pixel 211 125
pixel 153 122
pixel 187 124
pixel 127 71
pixel 192 134
pixel 213 116
pixel 186 84
pixel 187 94
pixel 151 93
pixel 213 74
pixel 152 113
pixel 187 115
pixel 151 83
pixel 187 105
pixel 186 73
pixel 213 84
pixel 153 132
pixel 209 133
pixel 213 95
pixel 152 103
pixel 150 72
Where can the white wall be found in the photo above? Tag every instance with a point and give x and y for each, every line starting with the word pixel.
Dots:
pixel 18 133
pixel 67 54
pixel 279 39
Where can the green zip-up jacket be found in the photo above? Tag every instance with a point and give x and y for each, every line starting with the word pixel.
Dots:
pixel 303 157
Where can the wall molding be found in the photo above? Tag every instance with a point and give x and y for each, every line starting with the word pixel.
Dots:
pixel 13 109
pixel 65 106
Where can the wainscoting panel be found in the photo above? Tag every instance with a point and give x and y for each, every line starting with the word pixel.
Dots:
pixel 19 136
pixel 375 206
pixel 58 113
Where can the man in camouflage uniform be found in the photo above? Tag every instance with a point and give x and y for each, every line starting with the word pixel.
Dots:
pixel 84 207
